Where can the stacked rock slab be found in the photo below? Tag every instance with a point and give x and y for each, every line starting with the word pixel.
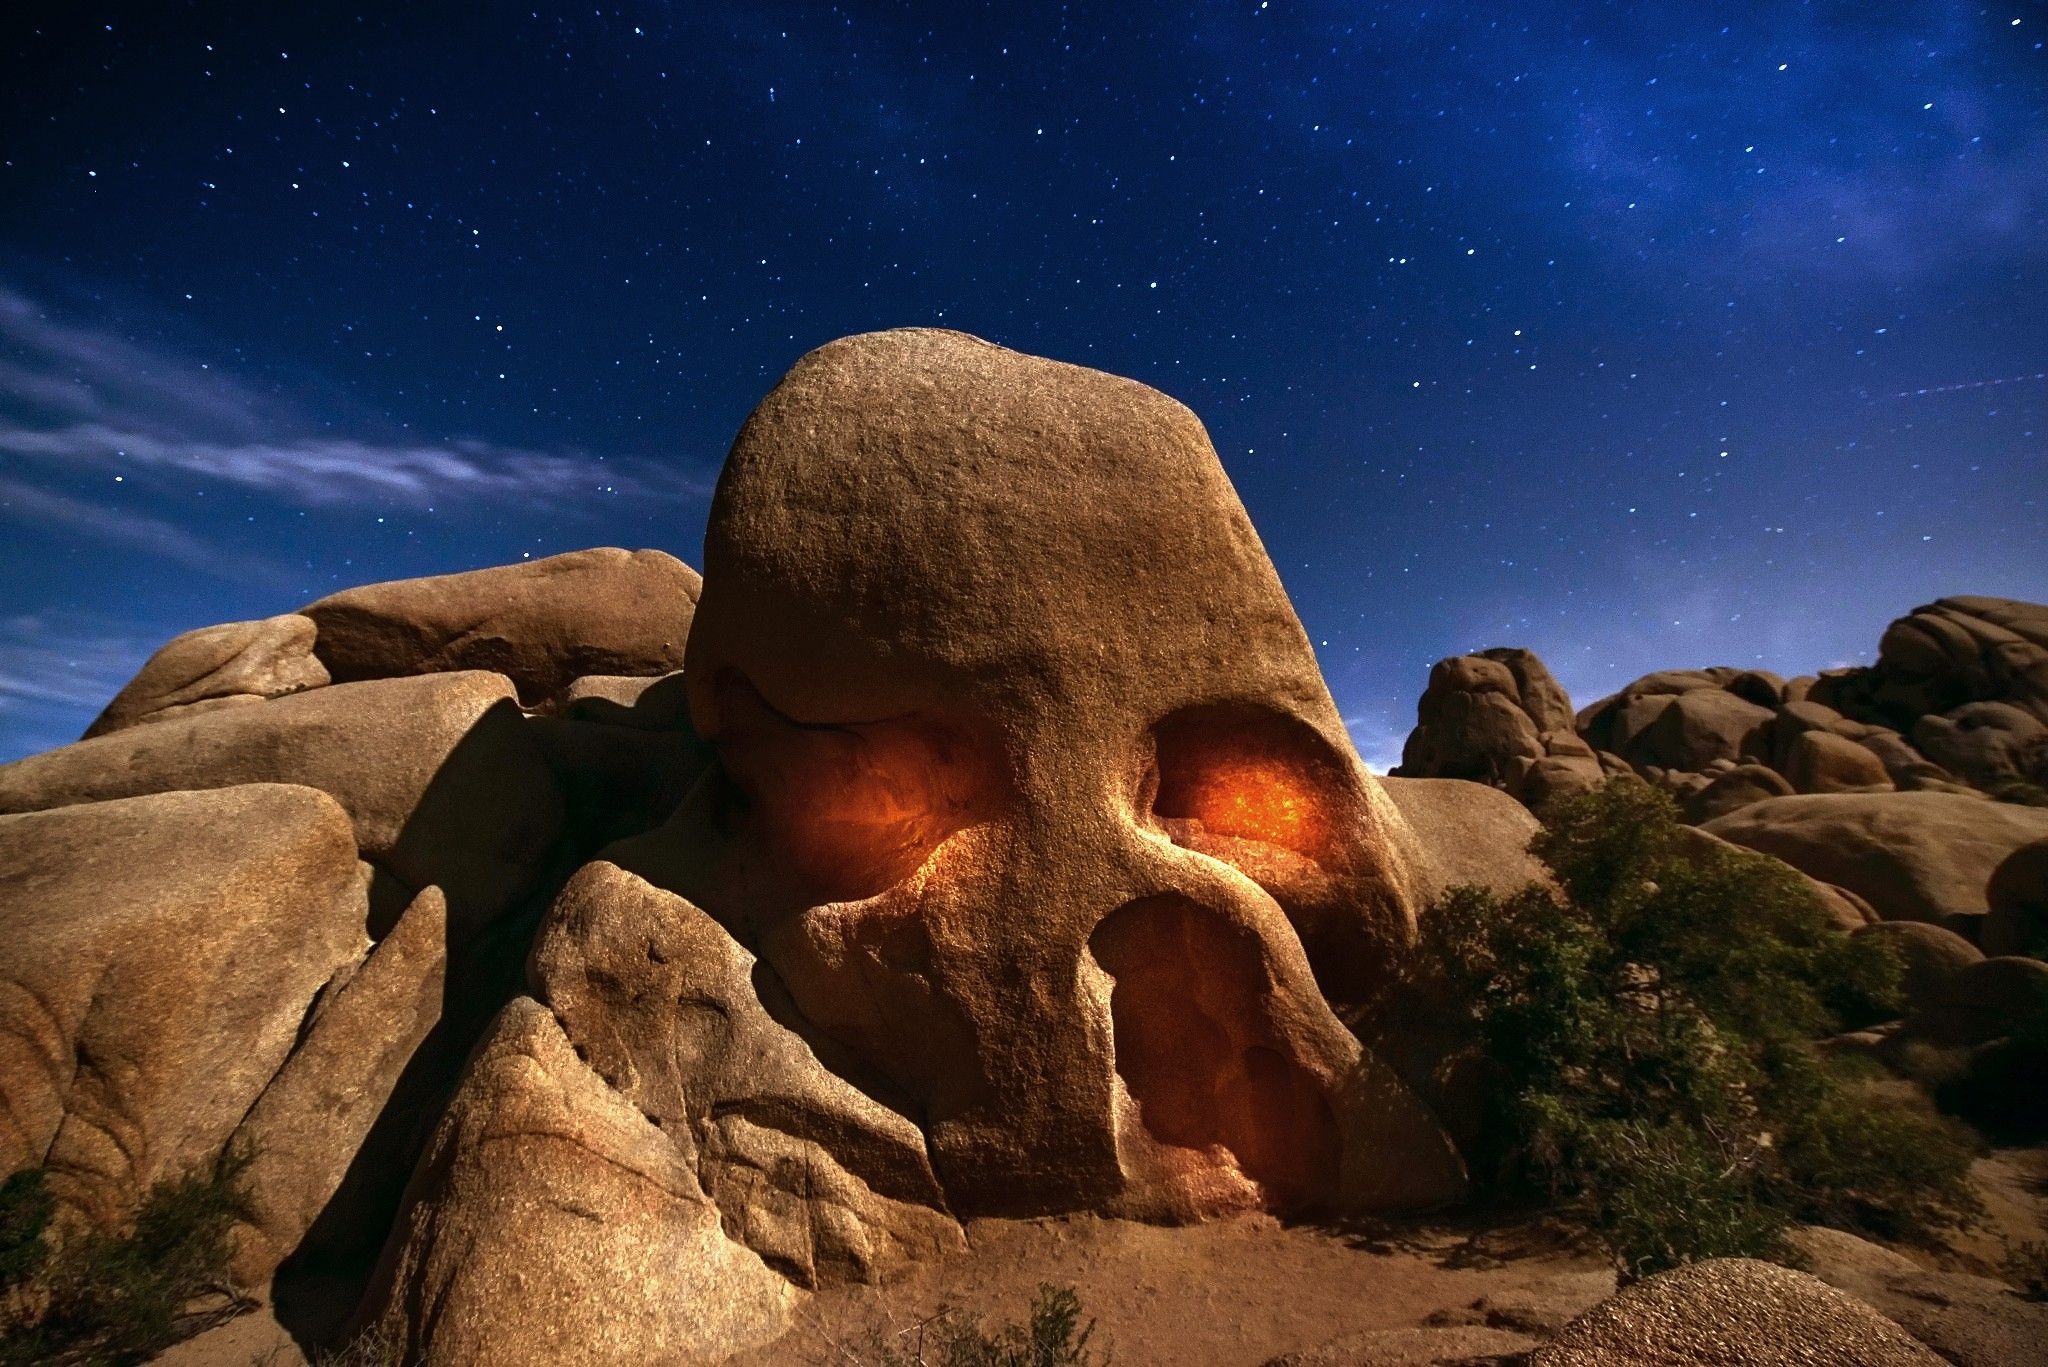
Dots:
pixel 127 1053
pixel 214 667
pixel 1500 718
pixel 441 780
pixel 257 910
pixel 542 624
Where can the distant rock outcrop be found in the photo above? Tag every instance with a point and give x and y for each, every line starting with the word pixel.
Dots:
pixel 1939 659
pixel 1955 704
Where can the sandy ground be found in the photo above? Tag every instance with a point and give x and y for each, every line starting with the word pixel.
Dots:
pixel 1232 1294
pixel 1241 1293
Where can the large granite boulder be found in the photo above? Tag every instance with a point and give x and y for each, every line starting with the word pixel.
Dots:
pixel 930 737
pixel 439 775
pixel 214 667
pixel 541 623
pixel 1733 1312
pixel 1912 856
pixel 161 954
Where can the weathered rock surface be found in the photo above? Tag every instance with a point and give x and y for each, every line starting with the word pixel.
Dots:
pixel 440 777
pixel 972 543
pixel 1691 730
pixel 1733 788
pixel 1733 1312
pixel 238 662
pixel 542 623
pixel 1951 652
pixel 127 1053
pixel 1988 744
pixel 313 1119
pixel 1970 1321
pixel 1912 856
pixel 2018 893
pixel 551 1222
pixel 1822 762
pixel 659 704
pixel 1468 833
pixel 1987 1000
pixel 1931 955
pixel 820 1179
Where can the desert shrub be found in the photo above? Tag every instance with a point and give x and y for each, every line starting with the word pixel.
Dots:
pixel 1647 1028
pixel 374 1347
pixel 120 1297
pixel 2027 1269
pixel 25 1210
pixel 1051 1335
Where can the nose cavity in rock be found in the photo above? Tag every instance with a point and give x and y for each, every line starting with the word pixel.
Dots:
pixel 1218 1111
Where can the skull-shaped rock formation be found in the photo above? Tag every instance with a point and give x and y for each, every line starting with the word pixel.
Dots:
pixel 1034 856
pixel 1048 814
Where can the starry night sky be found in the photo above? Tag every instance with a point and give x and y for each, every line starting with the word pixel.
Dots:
pixel 1644 335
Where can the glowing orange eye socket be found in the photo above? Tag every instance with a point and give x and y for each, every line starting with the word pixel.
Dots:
pixel 867 804
pixel 848 810
pixel 1254 799
pixel 1244 773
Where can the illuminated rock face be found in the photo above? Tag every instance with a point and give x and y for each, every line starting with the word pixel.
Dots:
pixel 1039 803
pixel 1033 848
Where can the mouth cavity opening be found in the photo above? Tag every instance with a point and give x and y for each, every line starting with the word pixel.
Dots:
pixel 1219 1113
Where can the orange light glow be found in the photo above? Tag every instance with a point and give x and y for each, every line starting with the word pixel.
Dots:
pixel 1246 785
pixel 848 809
pixel 1251 800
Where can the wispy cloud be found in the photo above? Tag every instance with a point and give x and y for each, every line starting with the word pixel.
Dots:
pixel 56 670
pixel 23 501
pixel 336 472
pixel 76 399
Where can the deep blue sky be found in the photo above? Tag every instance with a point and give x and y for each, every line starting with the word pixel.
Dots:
pixel 1645 334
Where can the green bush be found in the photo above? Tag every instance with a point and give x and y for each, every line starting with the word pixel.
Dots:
pixel 1051 1336
pixel 1647 1028
pixel 25 1210
pixel 121 1297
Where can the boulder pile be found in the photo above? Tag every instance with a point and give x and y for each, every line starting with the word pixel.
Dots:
pixel 594 962
pixel 1911 793
pixel 271 898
